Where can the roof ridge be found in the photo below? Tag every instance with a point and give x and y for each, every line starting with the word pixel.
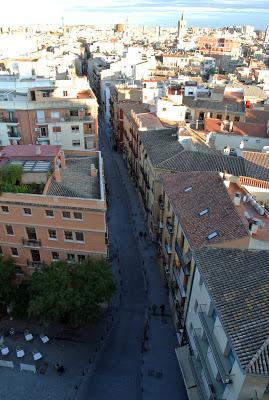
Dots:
pixel 257 356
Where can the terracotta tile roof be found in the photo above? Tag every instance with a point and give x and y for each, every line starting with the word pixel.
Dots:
pixel 246 181
pixel 238 283
pixel 257 164
pixel 150 121
pixel 257 116
pixel 239 128
pixel 208 192
pixel 28 152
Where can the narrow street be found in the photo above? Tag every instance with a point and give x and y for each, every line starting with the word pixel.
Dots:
pixel 139 360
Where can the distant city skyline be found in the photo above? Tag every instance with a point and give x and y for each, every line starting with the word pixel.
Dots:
pixel 212 13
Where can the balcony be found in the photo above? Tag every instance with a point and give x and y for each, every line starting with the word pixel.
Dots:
pixel 161 205
pixel 38 265
pixel 145 177
pixel 169 227
pixel 31 242
pixel 9 120
pixel 14 135
pixel 185 259
pixel 43 139
pixel 66 118
pixel 168 249
pixel 182 288
pixel 215 387
pixel 221 361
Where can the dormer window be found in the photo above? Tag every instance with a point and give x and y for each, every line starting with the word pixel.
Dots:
pixel 188 189
pixel 203 212
pixel 212 235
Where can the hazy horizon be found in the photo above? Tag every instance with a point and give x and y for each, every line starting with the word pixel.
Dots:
pixel 149 12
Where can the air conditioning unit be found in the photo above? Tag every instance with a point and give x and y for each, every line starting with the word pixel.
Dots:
pixel 37 129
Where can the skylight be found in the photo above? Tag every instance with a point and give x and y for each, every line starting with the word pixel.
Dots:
pixel 188 189
pixel 203 212
pixel 212 235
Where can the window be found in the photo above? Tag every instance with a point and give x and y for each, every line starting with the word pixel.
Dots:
pixel 65 93
pixel 55 256
pixel 73 113
pixel 227 117
pixel 66 214
pixel 75 143
pixel 35 256
pixel 9 230
pixel 212 235
pixel 195 305
pixel 68 235
pixel 55 114
pixel 18 270
pixel 31 233
pixel 49 213
pixel 52 234
pixel 211 115
pixel 5 209
pixel 1 250
pixel 27 211
pixel 71 257
pixel 81 258
pixel 14 251
pixel 75 128
pixel 77 215
pixel 164 109
pixel 56 129
pixel 236 118
pixel 203 212
pixel 219 116
pixel 214 315
pixel 231 358
pixel 79 236
pixel 200 281
pixel 188 189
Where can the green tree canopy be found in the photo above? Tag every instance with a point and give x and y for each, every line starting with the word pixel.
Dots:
pixel 70 292
pixel 7 274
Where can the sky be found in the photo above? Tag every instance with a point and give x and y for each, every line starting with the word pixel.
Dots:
pixel 139 12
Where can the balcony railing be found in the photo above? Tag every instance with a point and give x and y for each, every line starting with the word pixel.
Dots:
pixel 31 242
pixel 182 288
pixel 9 120
pixel 66 118
pixel 185 259
pixel 38 265
pixel 14 135
pixel 170 227
pixel 221 361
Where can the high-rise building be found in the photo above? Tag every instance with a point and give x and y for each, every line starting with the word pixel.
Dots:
pixel 182 27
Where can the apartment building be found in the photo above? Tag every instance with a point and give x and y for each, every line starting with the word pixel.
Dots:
pixel 227 326
pixel 218 45
pixel 197 212
pixel 62 213
pixel 63 113
pixel 169 151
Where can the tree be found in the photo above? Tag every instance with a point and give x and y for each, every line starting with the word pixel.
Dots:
pixel 70 293
pixel 7 274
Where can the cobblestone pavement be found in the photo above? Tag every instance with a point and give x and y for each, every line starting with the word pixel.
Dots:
pixel 139 360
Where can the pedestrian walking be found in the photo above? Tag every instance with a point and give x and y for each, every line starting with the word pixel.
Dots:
pixel 162 309
pixel 140 234
pixel 154 308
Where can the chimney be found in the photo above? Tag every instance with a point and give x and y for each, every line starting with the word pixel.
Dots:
pixel 62 158
pixel 237 199
pixel 38 150
pixel 253 227
pixel 57 173
pixel 93 171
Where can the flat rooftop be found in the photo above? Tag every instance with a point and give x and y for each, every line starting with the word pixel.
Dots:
pixel 76 180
